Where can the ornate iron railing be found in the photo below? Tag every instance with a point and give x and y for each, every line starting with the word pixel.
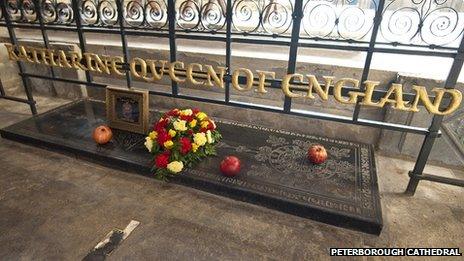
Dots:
pixel 431 23
pixel 412 27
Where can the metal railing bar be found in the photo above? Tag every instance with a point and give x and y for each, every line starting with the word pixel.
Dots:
pixel 171 9
pixel 16 99
pixel 13 40
pixel 80 34
pixel 311 114
pixel 122 33
pixel 369 54
pixel 434 128
pixel 63 80
pixel 293 52
pixel 45 38
pixel 228 48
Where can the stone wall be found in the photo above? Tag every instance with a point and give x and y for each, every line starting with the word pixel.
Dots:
pixel 448 149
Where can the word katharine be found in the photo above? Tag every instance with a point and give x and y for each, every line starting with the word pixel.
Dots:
pixel 293 85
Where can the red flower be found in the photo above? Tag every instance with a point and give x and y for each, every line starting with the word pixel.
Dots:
pixel 211 126
pixel 173 112
pixel 186 145
pixel 162 160
pixel 161 125
pixel 195 111
pixel 190 132
pixel 163 136
pixel 186 117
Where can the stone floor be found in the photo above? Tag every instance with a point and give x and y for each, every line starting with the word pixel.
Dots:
pixel 55 207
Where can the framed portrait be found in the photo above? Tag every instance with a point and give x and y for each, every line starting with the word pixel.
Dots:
pixel 127 109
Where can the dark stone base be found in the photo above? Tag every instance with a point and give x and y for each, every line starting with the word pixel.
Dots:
pixel 343 191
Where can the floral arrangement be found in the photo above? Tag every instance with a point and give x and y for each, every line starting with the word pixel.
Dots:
pixel 181 138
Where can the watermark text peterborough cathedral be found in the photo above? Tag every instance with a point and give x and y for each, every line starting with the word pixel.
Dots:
pixel 242 79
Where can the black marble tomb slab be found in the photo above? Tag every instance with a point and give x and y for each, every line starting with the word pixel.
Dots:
pixel 343 191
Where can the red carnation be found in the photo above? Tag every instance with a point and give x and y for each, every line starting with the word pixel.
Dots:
pixel 162 160
pixel 211 126
pixel 163 136
pixel 186 145
pixel 173 112
pixel 195 111
pixel 161 125
pixel 186 117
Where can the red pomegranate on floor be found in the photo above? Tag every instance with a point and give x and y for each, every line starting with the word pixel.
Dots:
pixel 230 166
pixel 102 134
pixel 317 154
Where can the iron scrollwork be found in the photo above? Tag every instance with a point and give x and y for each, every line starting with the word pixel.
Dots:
pixel 59 12
pixel 269 17
pixel 338 19
pixel 201 16
pixel 431 22
pixel 409 22
pixel 52 11
pixel 150 14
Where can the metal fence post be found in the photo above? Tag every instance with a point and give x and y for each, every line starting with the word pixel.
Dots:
pixel 293 53
pixel 80 34
pixel 45 39
pixel 370 52
pixel 416 174
pixel 172 39
pixel 14 41
pixel 125 51
pixel 228 48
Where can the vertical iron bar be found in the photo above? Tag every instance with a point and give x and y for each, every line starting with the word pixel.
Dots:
pixel 172 39
pixel 434 128
pixel 80 34
pixel 370 52
pixel 122 30
pixel 45 39
pixel 14 41
pixel 297 16
pixel 2 90
pixel 228 47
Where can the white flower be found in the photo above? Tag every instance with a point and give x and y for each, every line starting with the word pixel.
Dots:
pixel 199 139
pixel 179 125
pixel 175 166
pixel 209 137
pixel 148 143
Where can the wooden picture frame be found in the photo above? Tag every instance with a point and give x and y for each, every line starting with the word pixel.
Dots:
pixel 127 109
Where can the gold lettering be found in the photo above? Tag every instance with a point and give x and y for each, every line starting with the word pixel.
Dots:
pixel 286 85
pixel 249 79
pixel 421 95
pixel 314 84
pixel 172 72
pixel 189 73
pixel 143 67
pixel 35 57
pixel 11 53
pixel 116 65
pixel 101 65
pixel 23 55
pixel 63 60
pixel 398 102
pixel 76 58
pixel 156 75
pixel 353 95
pixel 48 57
pixel 211 74
pixel 262 80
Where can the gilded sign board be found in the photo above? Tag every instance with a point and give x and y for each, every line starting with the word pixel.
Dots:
pixel 293 85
